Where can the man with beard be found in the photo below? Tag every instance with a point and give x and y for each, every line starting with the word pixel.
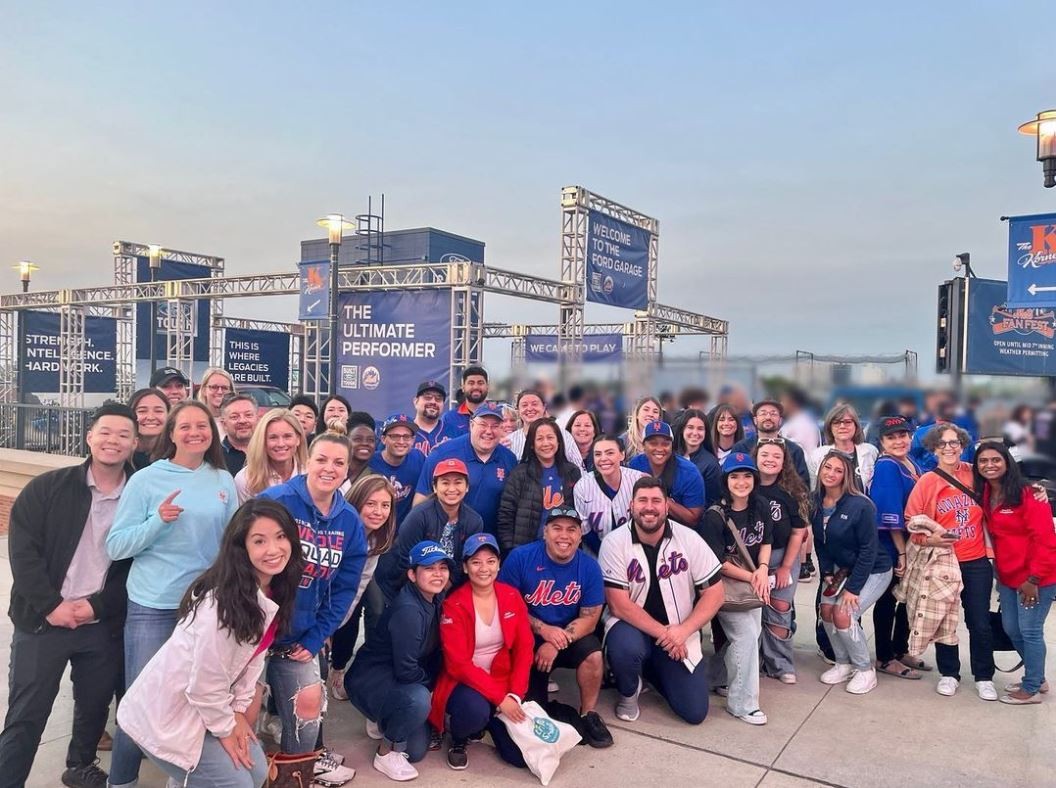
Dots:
pixel 488 464
pixel 238 415
pixel 683 484
pixel 662 586
pixel 475 391
pixel 530 409
pixel 767 415
pixel 428 403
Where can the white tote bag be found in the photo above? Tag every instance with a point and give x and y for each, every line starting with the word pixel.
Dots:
pixel 542 741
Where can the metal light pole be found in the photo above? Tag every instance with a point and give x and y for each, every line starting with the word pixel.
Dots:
pixel 155 266
pixel 1043 129
pixel 25 270
pixel 335 225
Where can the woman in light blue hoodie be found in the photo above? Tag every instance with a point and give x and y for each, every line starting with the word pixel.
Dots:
pixel 170 520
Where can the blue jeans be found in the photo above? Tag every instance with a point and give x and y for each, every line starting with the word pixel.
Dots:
pixel 401 712
pixel 146 631
pixel 215 768
pixel 633 655
pixel 286 677
pixel 1025 626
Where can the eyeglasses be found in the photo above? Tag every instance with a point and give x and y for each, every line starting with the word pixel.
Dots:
pixel 218 387
pixel 771 441
pixel 402 437
pixel 766 412
pixel 949 444
pixel 845 423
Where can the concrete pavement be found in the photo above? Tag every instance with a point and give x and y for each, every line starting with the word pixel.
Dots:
pixel 902 734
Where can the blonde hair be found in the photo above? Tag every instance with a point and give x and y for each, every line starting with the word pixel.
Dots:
pixel 258 466
pixel 202 394
pixel 635 445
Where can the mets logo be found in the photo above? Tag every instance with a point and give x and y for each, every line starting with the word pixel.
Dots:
pixel 371 378
pixel 1040 249
pixel 223 496
pixel 545 730
pixel 500 474
pixel 1023 321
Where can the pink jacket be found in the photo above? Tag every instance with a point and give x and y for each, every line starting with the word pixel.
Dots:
pixel 193 685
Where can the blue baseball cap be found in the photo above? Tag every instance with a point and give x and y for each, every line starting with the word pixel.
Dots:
pixel 399 420
pixel 739 461
pixel 426 554
pixel 476 542
pixel 487 409
pixel 658 429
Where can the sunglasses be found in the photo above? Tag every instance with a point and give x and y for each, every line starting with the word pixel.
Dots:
pixel 771 441
pixel 562 512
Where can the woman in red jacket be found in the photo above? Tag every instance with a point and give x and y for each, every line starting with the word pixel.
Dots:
pixel 1021 529
pixel 488 645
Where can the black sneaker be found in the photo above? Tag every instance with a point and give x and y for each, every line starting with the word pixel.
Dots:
pixel 436 740
pixel 804 572
pixel 595 731
pixel 456 755
pixel 90 776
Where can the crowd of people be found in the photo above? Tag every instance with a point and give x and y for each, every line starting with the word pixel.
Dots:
pixel 222 574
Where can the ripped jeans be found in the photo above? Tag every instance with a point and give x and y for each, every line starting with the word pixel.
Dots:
pixel 286 678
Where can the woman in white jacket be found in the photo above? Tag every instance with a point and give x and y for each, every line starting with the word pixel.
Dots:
pixel 193 707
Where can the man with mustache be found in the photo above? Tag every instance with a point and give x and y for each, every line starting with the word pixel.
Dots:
pixel 662 586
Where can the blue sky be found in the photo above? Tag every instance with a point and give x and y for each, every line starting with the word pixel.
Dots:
pixel 814 169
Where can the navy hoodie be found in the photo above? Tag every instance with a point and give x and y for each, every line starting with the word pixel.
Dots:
pixel 335 550
pixel 849 541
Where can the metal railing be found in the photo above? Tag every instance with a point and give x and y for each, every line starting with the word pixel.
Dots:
pixel 45 428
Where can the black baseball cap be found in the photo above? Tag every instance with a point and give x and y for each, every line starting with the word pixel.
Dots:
pixel 431 385
pixel 889 425
pixel 164 375
pixel 773 403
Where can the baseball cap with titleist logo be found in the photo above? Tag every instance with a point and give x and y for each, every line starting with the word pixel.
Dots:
pixel 451 465
pixel 426 554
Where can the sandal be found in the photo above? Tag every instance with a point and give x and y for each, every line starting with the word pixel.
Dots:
pixel 914 663
pixel 895 668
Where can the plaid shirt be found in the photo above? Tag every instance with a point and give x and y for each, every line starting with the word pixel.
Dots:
pixel 931 590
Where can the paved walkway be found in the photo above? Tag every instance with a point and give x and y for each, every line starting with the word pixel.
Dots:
pixel 902 734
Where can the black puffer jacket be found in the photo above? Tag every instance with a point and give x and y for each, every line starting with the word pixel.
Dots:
pixel 521 505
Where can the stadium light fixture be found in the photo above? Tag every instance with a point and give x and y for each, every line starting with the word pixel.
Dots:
pixel 25 272
pixel 1043 129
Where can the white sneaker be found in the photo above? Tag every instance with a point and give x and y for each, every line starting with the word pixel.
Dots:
pixel 947 686
pixel 837 674
pixel 395 766
pixel 329 771
pixel 273 727
pixel 787 678
pixel 373 731
pixel 552 687
pixel 336 679
pixel 862 681
pixel 756 717
pixel 986 690
pixel 627 708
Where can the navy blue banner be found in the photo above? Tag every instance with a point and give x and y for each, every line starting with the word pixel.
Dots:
pixel 314 300
pixel 1032 260
pixel 40 356
pixel 1005 340
pixel 195 317
pixel 257 358
pixel 617 262
pixel 542 348
pixel 389 343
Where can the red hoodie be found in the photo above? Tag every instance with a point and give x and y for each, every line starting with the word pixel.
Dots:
pixel 1024 539
pixel 510 669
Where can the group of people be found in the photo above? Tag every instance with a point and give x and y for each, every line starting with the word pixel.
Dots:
pixel 221 572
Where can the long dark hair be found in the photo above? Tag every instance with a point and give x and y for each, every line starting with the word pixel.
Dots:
pixel 679 428
pixel 321 425
pixel 758 507
pixel 711 439
pixel 381 540
pixel 165 449
pixel 1011 484
pixel 233 581
pixel 568 472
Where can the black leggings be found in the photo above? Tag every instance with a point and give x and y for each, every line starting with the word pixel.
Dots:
pixel 343 642
pixel 891 624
